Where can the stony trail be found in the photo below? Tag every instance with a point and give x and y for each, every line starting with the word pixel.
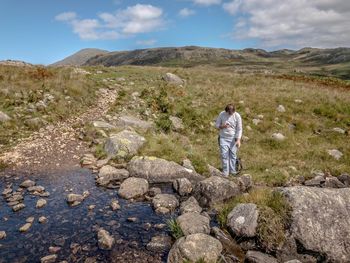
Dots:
pixel 57 146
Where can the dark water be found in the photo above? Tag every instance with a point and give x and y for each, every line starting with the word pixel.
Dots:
pixel 74 228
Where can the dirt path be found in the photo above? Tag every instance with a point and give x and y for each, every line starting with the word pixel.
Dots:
pixel 56 146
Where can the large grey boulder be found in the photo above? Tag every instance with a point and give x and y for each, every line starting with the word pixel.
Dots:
pixel 215 189
pixel 133 187
pixel 134 122
pixel 176 123
pixel 243 220
pixel 157 170
pixel 159 244
pixel 195 247
pixel 173 79
pixel 258 257
pixel 320 220
pixel 109 174
pixel 123 144
pixel 192 223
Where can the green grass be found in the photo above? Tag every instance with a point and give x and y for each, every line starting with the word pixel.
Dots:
pixel 175 229
pixel 208 89
pixel 325 105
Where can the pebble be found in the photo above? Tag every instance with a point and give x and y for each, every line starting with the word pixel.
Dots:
pixel 25 227
pixel 41 203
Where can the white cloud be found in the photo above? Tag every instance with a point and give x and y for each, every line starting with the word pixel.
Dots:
pixel 207 2
pixel 295 24
pixel 148 42
pixel 185 12
pixel 132 20
pixel 66 16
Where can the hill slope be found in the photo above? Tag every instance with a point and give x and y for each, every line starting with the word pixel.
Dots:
pixel 80 58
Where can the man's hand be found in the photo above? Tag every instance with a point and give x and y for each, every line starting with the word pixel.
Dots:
pixel 238 143
pixel 224 126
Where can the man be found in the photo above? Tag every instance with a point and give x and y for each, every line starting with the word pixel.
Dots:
pixel 229 122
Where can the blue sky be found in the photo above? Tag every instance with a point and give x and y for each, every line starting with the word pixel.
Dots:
pixel 44 31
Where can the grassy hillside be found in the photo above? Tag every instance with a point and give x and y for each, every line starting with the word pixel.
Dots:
pixel 324 104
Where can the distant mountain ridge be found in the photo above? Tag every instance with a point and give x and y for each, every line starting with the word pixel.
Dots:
pixel 326 62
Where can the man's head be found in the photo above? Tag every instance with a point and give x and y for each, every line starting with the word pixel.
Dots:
pixel 230 108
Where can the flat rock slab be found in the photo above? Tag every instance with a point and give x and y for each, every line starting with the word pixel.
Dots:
pixel 157 170
pixel 123 144
pixel 321 219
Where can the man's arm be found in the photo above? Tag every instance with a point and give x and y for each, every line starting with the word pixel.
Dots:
pixel 239 129
pixel 218 122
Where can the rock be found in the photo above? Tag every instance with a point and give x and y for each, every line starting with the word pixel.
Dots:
pixel 132 219
pixel 54 250
pixel 215 189
pixel 316 181
pixel 173 79
pixel 41 203
pixel 7 191
pixel 103 125
pixel 157 170
pixel 339 130
pixel 108 174
pixel 195 247
pixel 188 164
pixel 133 187
pixel 183 186
pixel 30 219
pixel 115 205
pixel 258 257
pixel 192 223
pixel 18 207
pixel 168 201
pixel 245 182
pixel 25 227
pixel 190 206
pixel 176 123
pixel 298 101
pixel 2 235
pixel 336 154
pixel 319 220
pixel 278 137
pixel 214 171
pixel 293 261
pixel 153 191
pixel 256 121
pixel 37 188
pixel 159 244
pixel 345 179
pixel 281 108
pixel 333 182
pixel 105 240
pixel 27 183
pixel 134 122
pixel 243 220
pixel 162 210
pixel 4 117
pixel 123 144
pixel 76 199
pixel 49 259
pixel 42 219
